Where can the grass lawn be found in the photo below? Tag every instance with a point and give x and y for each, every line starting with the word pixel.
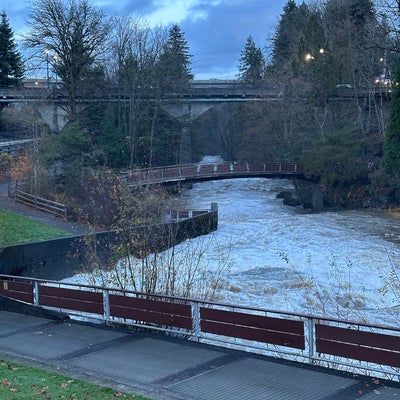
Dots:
pixel 18 382
pixel 16 229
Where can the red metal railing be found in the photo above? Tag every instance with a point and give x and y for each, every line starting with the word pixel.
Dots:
pixel 352 346
pixel 211 171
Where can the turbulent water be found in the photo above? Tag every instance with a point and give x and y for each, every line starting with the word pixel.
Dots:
pixel 335 264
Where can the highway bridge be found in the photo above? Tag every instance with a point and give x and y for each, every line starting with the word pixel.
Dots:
pixel 184 103
pixel 195 91
pixel 213 90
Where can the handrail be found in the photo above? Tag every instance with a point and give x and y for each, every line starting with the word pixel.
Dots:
pixel 39 203
pixel 353 346
pixel 176 173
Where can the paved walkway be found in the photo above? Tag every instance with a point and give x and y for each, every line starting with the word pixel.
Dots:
pixel 165 368
pixel 8 204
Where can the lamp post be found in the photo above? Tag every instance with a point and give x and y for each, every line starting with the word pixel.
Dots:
pixel 47 51
pixel 55 58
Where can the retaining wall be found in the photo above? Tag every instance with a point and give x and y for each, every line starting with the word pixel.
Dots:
pixel 61 258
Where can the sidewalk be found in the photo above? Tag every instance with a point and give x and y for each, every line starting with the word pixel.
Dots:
pixel 162 367
pixel 10 205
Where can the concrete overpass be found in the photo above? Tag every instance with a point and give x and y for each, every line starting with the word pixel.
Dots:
pixel 201 94
pixel 185 103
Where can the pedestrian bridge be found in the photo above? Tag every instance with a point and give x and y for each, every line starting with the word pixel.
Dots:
pixel 213 171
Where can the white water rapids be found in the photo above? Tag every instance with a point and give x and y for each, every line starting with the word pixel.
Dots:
pixel 335 264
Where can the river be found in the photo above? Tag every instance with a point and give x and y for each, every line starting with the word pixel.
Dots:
pixel 340 264
pixel 334 264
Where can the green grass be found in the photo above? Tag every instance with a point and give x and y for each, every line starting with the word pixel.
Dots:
pixel 18 382
pixel 16 229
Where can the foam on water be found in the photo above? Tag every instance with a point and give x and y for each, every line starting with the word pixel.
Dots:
pixel 282 258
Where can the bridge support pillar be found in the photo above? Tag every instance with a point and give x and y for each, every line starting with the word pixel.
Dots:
pixel 55 117
pixel 185 145
pixel 185 113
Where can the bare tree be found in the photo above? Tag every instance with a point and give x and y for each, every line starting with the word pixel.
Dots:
pixel 136 49
pixel 71 36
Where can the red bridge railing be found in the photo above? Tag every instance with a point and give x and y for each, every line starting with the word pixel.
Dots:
pixel 346 345
pixel 176 173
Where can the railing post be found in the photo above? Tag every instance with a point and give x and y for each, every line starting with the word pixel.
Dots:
pixel 311 339
pixel 36 293
pixel 196 320
pixel 106 305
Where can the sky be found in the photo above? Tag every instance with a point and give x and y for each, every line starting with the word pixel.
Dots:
pixel 215 30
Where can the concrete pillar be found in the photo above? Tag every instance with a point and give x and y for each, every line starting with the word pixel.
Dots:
pixel 185 113
pixel 185 145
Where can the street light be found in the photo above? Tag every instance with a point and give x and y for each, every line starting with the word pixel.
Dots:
pixel 55 58
pixel 309 57
pixel 47 51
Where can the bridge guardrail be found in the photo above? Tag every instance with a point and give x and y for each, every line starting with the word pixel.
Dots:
pixel 345 345
pixel 210 170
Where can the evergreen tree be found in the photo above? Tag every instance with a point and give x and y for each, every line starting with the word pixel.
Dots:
pixel 11 66
pixel 314 58
pixel 391 157
pixel 174 65
pixel 361 11
pixel 351 26
pixel 252 63
pixel 285 43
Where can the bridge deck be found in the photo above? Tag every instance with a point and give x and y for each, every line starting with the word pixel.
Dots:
pixel 213 171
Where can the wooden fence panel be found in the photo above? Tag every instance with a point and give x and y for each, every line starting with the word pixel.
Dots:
pixel 206 169
pixel 71 299
pixel 152 175
pixel 257 167
pixel 189 171
pixel 288 167
pixel 151 311
pixel 272 167
pixel 260 328
pixel 223 168
pixel 358 345
pixel 21 291
pixel 239 167
pixel 172 172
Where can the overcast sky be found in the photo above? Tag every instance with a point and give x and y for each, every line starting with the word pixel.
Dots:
pixel 216 30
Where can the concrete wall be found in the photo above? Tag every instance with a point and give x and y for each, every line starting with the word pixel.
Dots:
pixel 61 258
